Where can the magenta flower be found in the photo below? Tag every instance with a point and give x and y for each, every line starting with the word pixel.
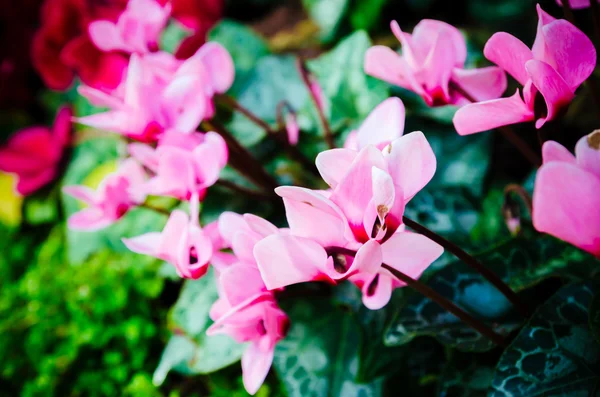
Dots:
pixel 432 65
pixel 117 193
pixel 34 153
pixel 162 93
pixel 137 29
pixel 246 310
pixel 182 164
pixel 561 58
pixel 363 213
pixel 182 243
pixel 566 198
pixel 577 4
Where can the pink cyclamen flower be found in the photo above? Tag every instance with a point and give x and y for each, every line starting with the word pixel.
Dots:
pixel 162 93
pixel 246 310
pixel 292 128
pixel 561 58
pixel 566 197
pixel 136 31
pixel 577 4
pixel 34 153
pixel 183 165
pixel 432 65
pixel 182 243
pixel 117 194
pixel 363 212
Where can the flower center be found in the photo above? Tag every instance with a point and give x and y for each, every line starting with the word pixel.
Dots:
pixel 340 263
pixel 193 256
pixel 373 286
pixel 593 140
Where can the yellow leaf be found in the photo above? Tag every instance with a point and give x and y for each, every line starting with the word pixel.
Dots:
pixel 11 202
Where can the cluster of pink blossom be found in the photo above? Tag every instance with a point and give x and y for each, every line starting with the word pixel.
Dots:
pixel 352 231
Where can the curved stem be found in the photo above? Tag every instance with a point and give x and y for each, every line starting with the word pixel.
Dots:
pixel 435 297
pixel 522 193
pixel 473 263
pixel 306 79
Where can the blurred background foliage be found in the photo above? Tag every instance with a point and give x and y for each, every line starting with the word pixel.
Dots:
pixel 80 316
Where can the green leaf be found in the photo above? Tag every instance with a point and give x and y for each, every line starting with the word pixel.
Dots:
pixel 273 79
pixel 172 36
pixel 555 353
pixel 350 94
pixel 595 316
pixel 365 13
pixel 190 350
pixel 245 46
pixel 521 263
pixel 41 208
pixel 100 154
pixel 327 14
pixel 318 357
pixel 467 375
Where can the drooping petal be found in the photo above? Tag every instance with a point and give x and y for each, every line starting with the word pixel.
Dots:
pixel 384 124
pixel 286 260
pixel 89 219
pixel 146 244
pixel 483 116
pixel 509 53
pixel 411 163
pixel 377 290
pixel 554 151
pixel 333 164
pixel 385 64
pixel 82 193
pixel 566 205
pixel 172 234
pixel 255 367
pixel 218 64
pixel 587 152
pixel 552 86
pixel 410 253
pixel 481 84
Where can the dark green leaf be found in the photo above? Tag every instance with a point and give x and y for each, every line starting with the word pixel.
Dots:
pixel 595 316
pixel 555 354
pixel 190 350
pixel 318 357
pixel 467 375
pixel 521 263
pixel 365 13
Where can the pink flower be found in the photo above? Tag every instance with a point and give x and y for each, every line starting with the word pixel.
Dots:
pixel 363 213
pixel 432 65
pixel 182 243
pixel 577 4
pixel 246 310
pixel 184 165
pixel 561 58
pixel 34 153
pixel 137 29
pixel 161 93
pixel 566 198
pixel 292 128
pixel 117 193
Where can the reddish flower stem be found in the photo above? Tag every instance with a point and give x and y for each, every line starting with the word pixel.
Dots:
pixel 435 297
pixel 306 79
pixel 473 263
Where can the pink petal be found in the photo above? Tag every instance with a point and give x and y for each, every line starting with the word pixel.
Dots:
pixel 145 154
pixel 368 259
pixel 483 116
pixel 424 36
pixel 21 162
pixel 588 157
pixel 89 219
pixel 99 98
pixel 410 253
pixel 540 47
pixel 566 205
pixel 209 158
pixel 551 85
pixel 292 129
pixel 82 193
pixel 577 4
pixel 510 54
pixel 218 64
pixel 481 84
pixel 259 225
pixel 572 52
pixel 243 245
pixel 311 215
pixel 172 235
pixel 385 64
pixel 185 103
pixel 411 163
pixel 114 121
pixel 377 290
pixel 106 36
pixel 241 281
pixel 384 124
pixel 286 260
pixel 61 130
pixel 146 244
pixel 333 164
pixel 554 151
pixel 437 69
pixel 229 224
pixel 255 367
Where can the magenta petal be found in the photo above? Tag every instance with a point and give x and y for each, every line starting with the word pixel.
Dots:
pixel 483 116
pixel 566 204
pixel 255 367
pixel 286 260
pixel 577 4
pixel 410 253
pixel 384 124
pixel 411 163
pixel 333 164
pixel 385 64
pixel 481 84
pixel 30 183
pixel 588 157
pixel 424 36
pixel 540 47
pixel 572 53
pixel 551 85
pixel 510 54
pixel 554 151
